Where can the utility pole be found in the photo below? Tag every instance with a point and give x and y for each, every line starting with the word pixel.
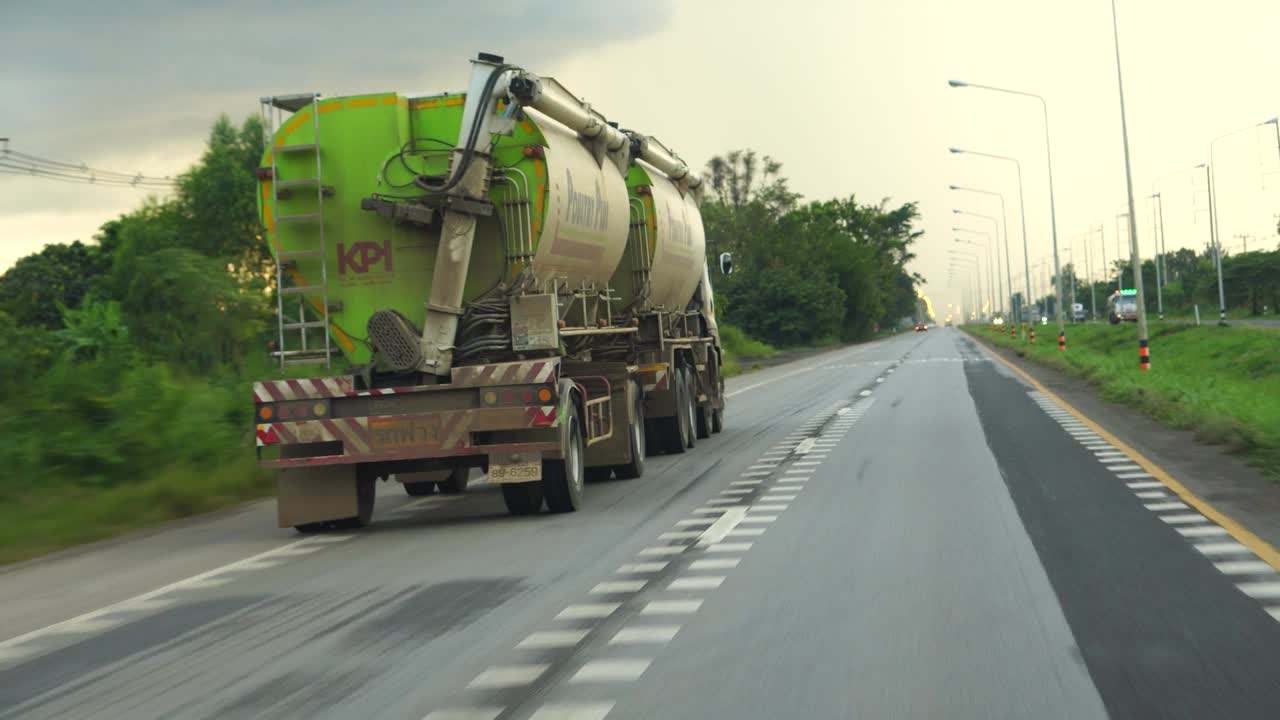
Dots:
pixel 1144 352
pixel 1088 262
pixel 1158 230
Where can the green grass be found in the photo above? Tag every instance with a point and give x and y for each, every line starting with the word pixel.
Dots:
pixel 1222 383
pixel 738 346
pixel 65 516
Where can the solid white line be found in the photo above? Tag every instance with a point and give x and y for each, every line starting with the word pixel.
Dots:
pixel 1118 468
pixel 587 611
pixel 646 567
pixel 690 522
pixel 1223 548
pixel 776 507
pixel 1274 612
pixel 769 466
pixel 785 480
pixel 663 549
pixel 644 634
pixel 708 511
pixel 737 491
pixel 716 563
pixel 798 471
pixel 1244 567
pixel 1184 519
pixel 1201 531
pixel 730 547
pixel 553 639
pixel 1132 475
pixel 807 463
pixel 1144 485
pixel 704 582
pixel 778 498
pixel 755 474
pixel 1152 495
pixel 618 586
pixel 745 482
pixel 671 607
pixel 746 532
pixel 488 712
pixel 508 676
pixel 805 446
pixel 188 583
pixel 87 626
pixel 1116 461
pixel 1163 507
pixel 611 670
pixel 759 519
pixel 723 501
pixel 573 711
pixel 728 521
pixel 1261 590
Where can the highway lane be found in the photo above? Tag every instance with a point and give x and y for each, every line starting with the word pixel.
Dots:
pixel 877 533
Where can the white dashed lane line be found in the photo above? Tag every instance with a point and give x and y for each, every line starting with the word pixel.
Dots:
pixel 1251 575
pixel 711 540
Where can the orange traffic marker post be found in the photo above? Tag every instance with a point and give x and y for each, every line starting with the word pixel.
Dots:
pixel 1144 355
pixel 1062 341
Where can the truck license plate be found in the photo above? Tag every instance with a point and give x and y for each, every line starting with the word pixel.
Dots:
pixel 519 472
pixel 406 433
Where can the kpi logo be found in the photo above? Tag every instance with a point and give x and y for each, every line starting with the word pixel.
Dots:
pixel 362 255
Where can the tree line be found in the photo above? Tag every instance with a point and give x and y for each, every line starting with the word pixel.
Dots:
pixel 805 272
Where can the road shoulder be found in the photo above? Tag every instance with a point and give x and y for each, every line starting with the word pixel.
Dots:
pixel 1234 487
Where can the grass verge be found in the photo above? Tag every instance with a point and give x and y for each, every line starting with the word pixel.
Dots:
pixel 740 348
pixel 64 516
pixel 1222 383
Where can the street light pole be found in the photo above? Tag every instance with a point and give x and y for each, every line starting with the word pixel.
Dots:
pixel 977 264
pixel 1088 262
pixel 1119 264
pixel 990 267
pixel 1144 353
pixel 1022 206
pixel 998 286
pixel 1053 213
pixel 1157 208
pixel 1004 222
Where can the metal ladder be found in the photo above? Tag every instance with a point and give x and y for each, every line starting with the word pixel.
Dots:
pixel 273 110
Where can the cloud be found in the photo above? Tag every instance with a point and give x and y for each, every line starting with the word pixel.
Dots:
pixel 133 85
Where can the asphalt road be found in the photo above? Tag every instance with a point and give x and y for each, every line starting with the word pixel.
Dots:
pixel 900 529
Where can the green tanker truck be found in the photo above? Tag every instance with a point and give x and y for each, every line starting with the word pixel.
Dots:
pixel 497 278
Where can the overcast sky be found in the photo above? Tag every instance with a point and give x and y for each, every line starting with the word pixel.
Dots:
pixel 851 97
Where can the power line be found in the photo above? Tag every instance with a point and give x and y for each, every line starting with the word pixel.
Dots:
pixel 13 162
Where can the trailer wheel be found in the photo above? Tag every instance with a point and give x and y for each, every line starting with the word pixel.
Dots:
pixel 418 489
pixel 635 468
pixel 691 407
pixel 457 482
pixel 675 430
pixel 522 498
pixel 717 420
pixel 562 480
pixel 366 494
pixel 704 421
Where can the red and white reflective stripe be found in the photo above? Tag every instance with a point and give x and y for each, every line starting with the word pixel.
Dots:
pixel 301 389
pixel 659 381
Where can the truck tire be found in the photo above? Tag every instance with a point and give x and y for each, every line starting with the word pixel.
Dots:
pixel 691 407
pixel 704 421
pixel 366 494
pixel 675 429
pixel 635 468
pixel 457 482
pixel 717 420
pixel 562 480
pixel 419 489
pixel 522 498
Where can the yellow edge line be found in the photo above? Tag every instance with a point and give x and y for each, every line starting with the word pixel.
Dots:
pixel 1260 547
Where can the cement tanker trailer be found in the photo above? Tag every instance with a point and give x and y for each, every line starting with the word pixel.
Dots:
pixel 497 279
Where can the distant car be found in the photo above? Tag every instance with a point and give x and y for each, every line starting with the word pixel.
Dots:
pixel 922 327
pixel 1077 312
pixel 948 323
